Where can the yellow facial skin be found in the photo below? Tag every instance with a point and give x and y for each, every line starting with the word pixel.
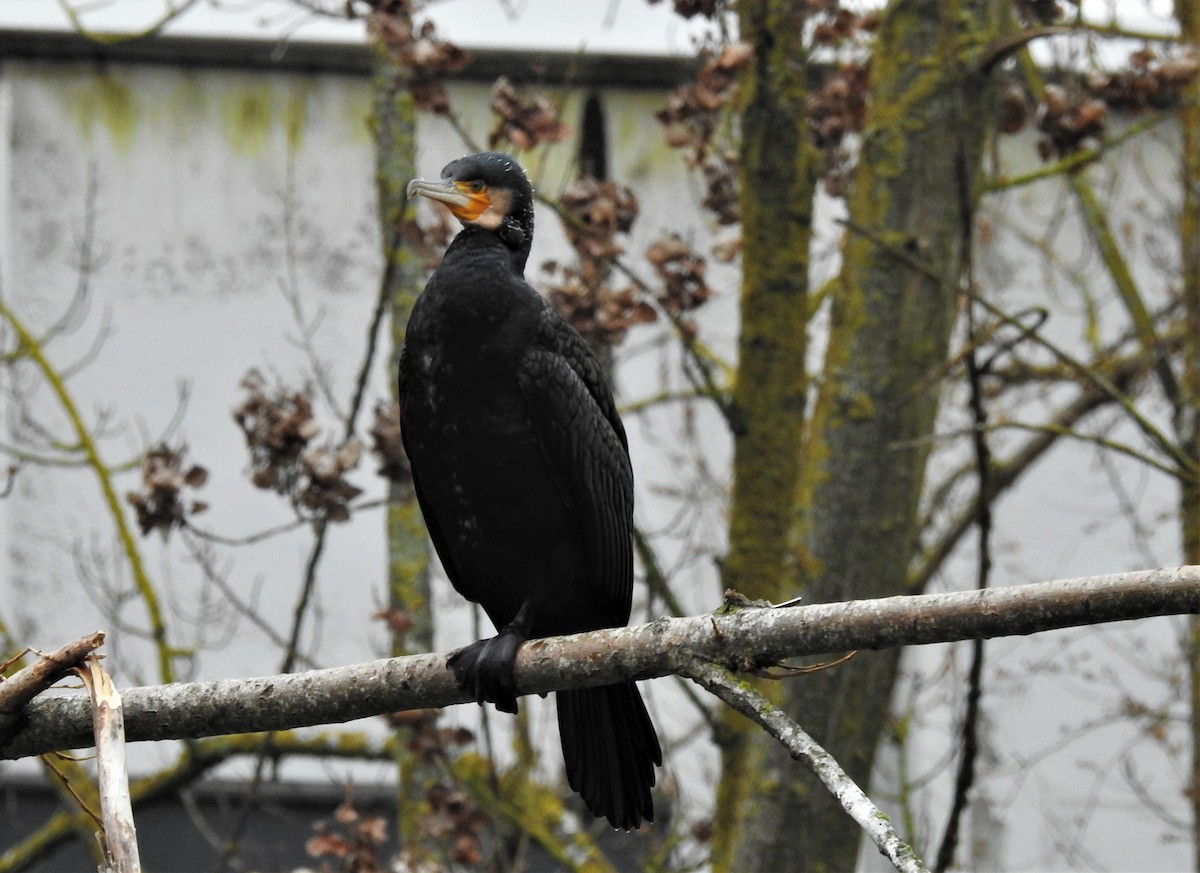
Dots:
pixel 467 200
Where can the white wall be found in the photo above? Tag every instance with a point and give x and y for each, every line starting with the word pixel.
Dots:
pixel 202 176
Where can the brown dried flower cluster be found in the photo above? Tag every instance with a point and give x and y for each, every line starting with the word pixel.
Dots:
pixel 1149 82
pixel 837 109
pixel 692 8
pixel 595 212
pixel 1070 121
pixel 600 312
pixel 839 106
pixel 681 270
pixel 524 123
pixel 427 740
pixel 279 430
pixel 1072 116
pixel 690 113
pixel 834 24
pixel 353 839
pixel 325 490
pixel 452 817
pixel 1040 11
pixel 691 118
pixel 387 445
pixel 424 55
pixel 1013 108
pixel 160 504
pixel 428 242
pixel 455 818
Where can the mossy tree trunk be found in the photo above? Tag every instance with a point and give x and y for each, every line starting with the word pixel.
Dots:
pixel 905 252
pixel 393 123
pixel 1189 241
pixel 777 189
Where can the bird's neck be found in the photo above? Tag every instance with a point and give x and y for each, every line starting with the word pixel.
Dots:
pixel 478 241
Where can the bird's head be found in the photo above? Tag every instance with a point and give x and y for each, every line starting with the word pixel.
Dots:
pixel 488 190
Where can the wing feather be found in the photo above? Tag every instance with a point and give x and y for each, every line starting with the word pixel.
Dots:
pixel 586 450
pixel 440 545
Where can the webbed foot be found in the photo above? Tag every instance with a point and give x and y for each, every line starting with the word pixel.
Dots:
pixel 484 669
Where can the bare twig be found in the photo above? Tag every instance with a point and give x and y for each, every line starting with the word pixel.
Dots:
pixel 32 348
pixel 171 11
pixel 805 749
pixel 968 755
pixel 116 808
pixel 20 688
pixel 198 759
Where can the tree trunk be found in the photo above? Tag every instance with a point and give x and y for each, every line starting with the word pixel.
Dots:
pixel 394 129
pixel 911 201
pixel 777 188
pixel 1189 256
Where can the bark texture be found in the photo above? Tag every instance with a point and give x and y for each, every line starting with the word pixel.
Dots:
pixel 1189 419
pixel 911 199
pixel 747 640
pixel 393 125
pixel 768 409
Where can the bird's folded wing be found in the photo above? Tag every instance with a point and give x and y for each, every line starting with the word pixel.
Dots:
pixel 591 467
pixel 440 545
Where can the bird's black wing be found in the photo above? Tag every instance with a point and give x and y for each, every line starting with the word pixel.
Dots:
pixel 566 341
pixel 584 443
pixel 431 525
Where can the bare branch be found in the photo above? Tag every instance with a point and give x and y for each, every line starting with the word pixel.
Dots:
pixel 120 836
pixel 804 748
pixel 20 688
pixel 745 640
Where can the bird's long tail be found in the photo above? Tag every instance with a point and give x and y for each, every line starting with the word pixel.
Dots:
pixel 611 750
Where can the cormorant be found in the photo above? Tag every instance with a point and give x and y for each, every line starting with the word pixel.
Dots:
pixel 522 472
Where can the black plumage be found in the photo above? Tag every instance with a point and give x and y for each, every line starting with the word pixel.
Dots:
pixel 522 471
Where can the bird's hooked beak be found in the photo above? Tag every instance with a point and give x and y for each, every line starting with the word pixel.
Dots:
pixel 466 200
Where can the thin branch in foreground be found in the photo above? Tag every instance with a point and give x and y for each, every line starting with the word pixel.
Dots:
pixel 195 761
pixel 120 834
pixel 808 751
pixel 964 779
pixel 24 685
pixel 745 640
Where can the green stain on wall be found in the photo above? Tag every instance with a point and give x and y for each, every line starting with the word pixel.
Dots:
pixel 631 136
pixel 295 113
pixel 108 101
pixel 246 116
pixel 188 104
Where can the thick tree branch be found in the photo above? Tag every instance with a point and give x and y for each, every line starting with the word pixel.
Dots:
pixel 744 640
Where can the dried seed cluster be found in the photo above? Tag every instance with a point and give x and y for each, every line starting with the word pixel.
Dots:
pixel 452 818
pixel 525 122
pixel 423 55
pixel 692 117
pixel 681 270
pixel 595 212
pixel 279 430
pixel 386 443
pixel 160 504
pixel 353 839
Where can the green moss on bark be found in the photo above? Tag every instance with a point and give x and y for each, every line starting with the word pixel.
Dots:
pixel 863 461
pixel 769 396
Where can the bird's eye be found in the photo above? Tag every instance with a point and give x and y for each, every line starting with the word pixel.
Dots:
pixel 476 186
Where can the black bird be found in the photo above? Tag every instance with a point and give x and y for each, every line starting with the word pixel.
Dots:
pixel 522 472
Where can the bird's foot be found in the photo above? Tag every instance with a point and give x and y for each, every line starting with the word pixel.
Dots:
pixel 485 669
